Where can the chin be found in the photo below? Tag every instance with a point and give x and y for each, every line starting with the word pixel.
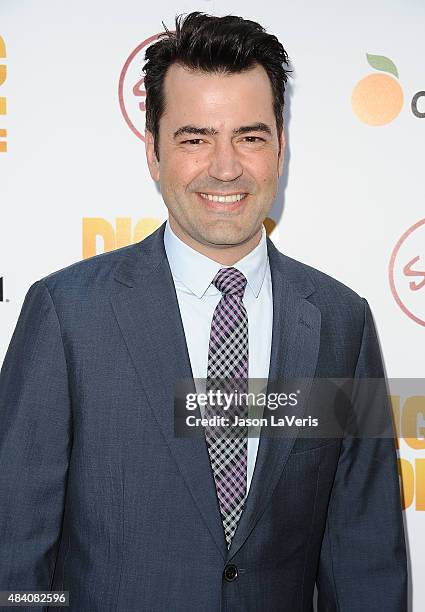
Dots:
pixel 226 236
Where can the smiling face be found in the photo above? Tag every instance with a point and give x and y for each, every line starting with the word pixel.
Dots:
pixel 219 160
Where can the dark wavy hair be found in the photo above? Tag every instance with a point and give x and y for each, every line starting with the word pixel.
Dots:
pixel 212 44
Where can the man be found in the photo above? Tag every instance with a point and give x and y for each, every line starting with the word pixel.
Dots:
pixel 98 495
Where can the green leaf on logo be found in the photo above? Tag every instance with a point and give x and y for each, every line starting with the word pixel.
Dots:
pixel 380 62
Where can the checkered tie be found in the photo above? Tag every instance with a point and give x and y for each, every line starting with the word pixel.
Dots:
pixel 228 372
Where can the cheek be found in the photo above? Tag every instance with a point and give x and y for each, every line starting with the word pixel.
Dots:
pixel 265 176
pixel 179 172
pixel 263 168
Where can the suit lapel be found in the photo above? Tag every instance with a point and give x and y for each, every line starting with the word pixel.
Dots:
pixel 148 315
pixel 294 353
pixel 147 311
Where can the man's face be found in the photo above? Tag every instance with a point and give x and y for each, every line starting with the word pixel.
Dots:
pixel 217 138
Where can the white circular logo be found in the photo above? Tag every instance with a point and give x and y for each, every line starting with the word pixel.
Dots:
pixel 407 272
pixel 131 89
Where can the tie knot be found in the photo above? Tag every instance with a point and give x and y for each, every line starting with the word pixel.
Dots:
pixel 230 281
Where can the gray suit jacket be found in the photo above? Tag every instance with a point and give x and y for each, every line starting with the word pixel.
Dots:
pixel 98 497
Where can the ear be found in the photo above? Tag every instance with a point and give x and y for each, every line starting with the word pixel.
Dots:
pixel 282 153
pixel 151 158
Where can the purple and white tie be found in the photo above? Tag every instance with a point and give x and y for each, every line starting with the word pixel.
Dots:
pixel 228 372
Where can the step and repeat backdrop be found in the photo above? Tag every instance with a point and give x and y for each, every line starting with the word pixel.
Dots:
pixel 74 181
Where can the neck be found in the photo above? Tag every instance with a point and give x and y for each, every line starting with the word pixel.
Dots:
pixel 225 254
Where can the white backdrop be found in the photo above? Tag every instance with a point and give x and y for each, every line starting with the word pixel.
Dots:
pixel 74 181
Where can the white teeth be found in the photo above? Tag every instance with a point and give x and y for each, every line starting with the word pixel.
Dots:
pixel 230 198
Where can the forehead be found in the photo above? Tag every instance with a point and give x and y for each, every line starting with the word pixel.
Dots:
pixel 217 99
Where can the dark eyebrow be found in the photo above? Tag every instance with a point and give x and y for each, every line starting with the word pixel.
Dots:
pixel 255 127
pixel 194 130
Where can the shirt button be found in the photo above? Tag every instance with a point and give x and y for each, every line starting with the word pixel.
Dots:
pixel 230 573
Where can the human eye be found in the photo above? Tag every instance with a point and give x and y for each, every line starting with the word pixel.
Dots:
pixel 253 139
pixel 192 141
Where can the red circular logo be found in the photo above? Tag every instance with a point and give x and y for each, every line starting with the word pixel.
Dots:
pixel 131 89
pixel 407 272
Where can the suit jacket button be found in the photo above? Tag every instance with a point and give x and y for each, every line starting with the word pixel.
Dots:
pixel 230 573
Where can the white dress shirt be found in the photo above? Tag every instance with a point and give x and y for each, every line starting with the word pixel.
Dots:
pixel 192 275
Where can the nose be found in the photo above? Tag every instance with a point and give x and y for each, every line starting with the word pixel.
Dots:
pixel 224 162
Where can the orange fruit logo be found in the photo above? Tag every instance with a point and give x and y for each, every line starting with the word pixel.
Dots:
pixel 378 98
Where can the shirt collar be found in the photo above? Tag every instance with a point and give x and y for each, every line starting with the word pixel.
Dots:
pixel 196 271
